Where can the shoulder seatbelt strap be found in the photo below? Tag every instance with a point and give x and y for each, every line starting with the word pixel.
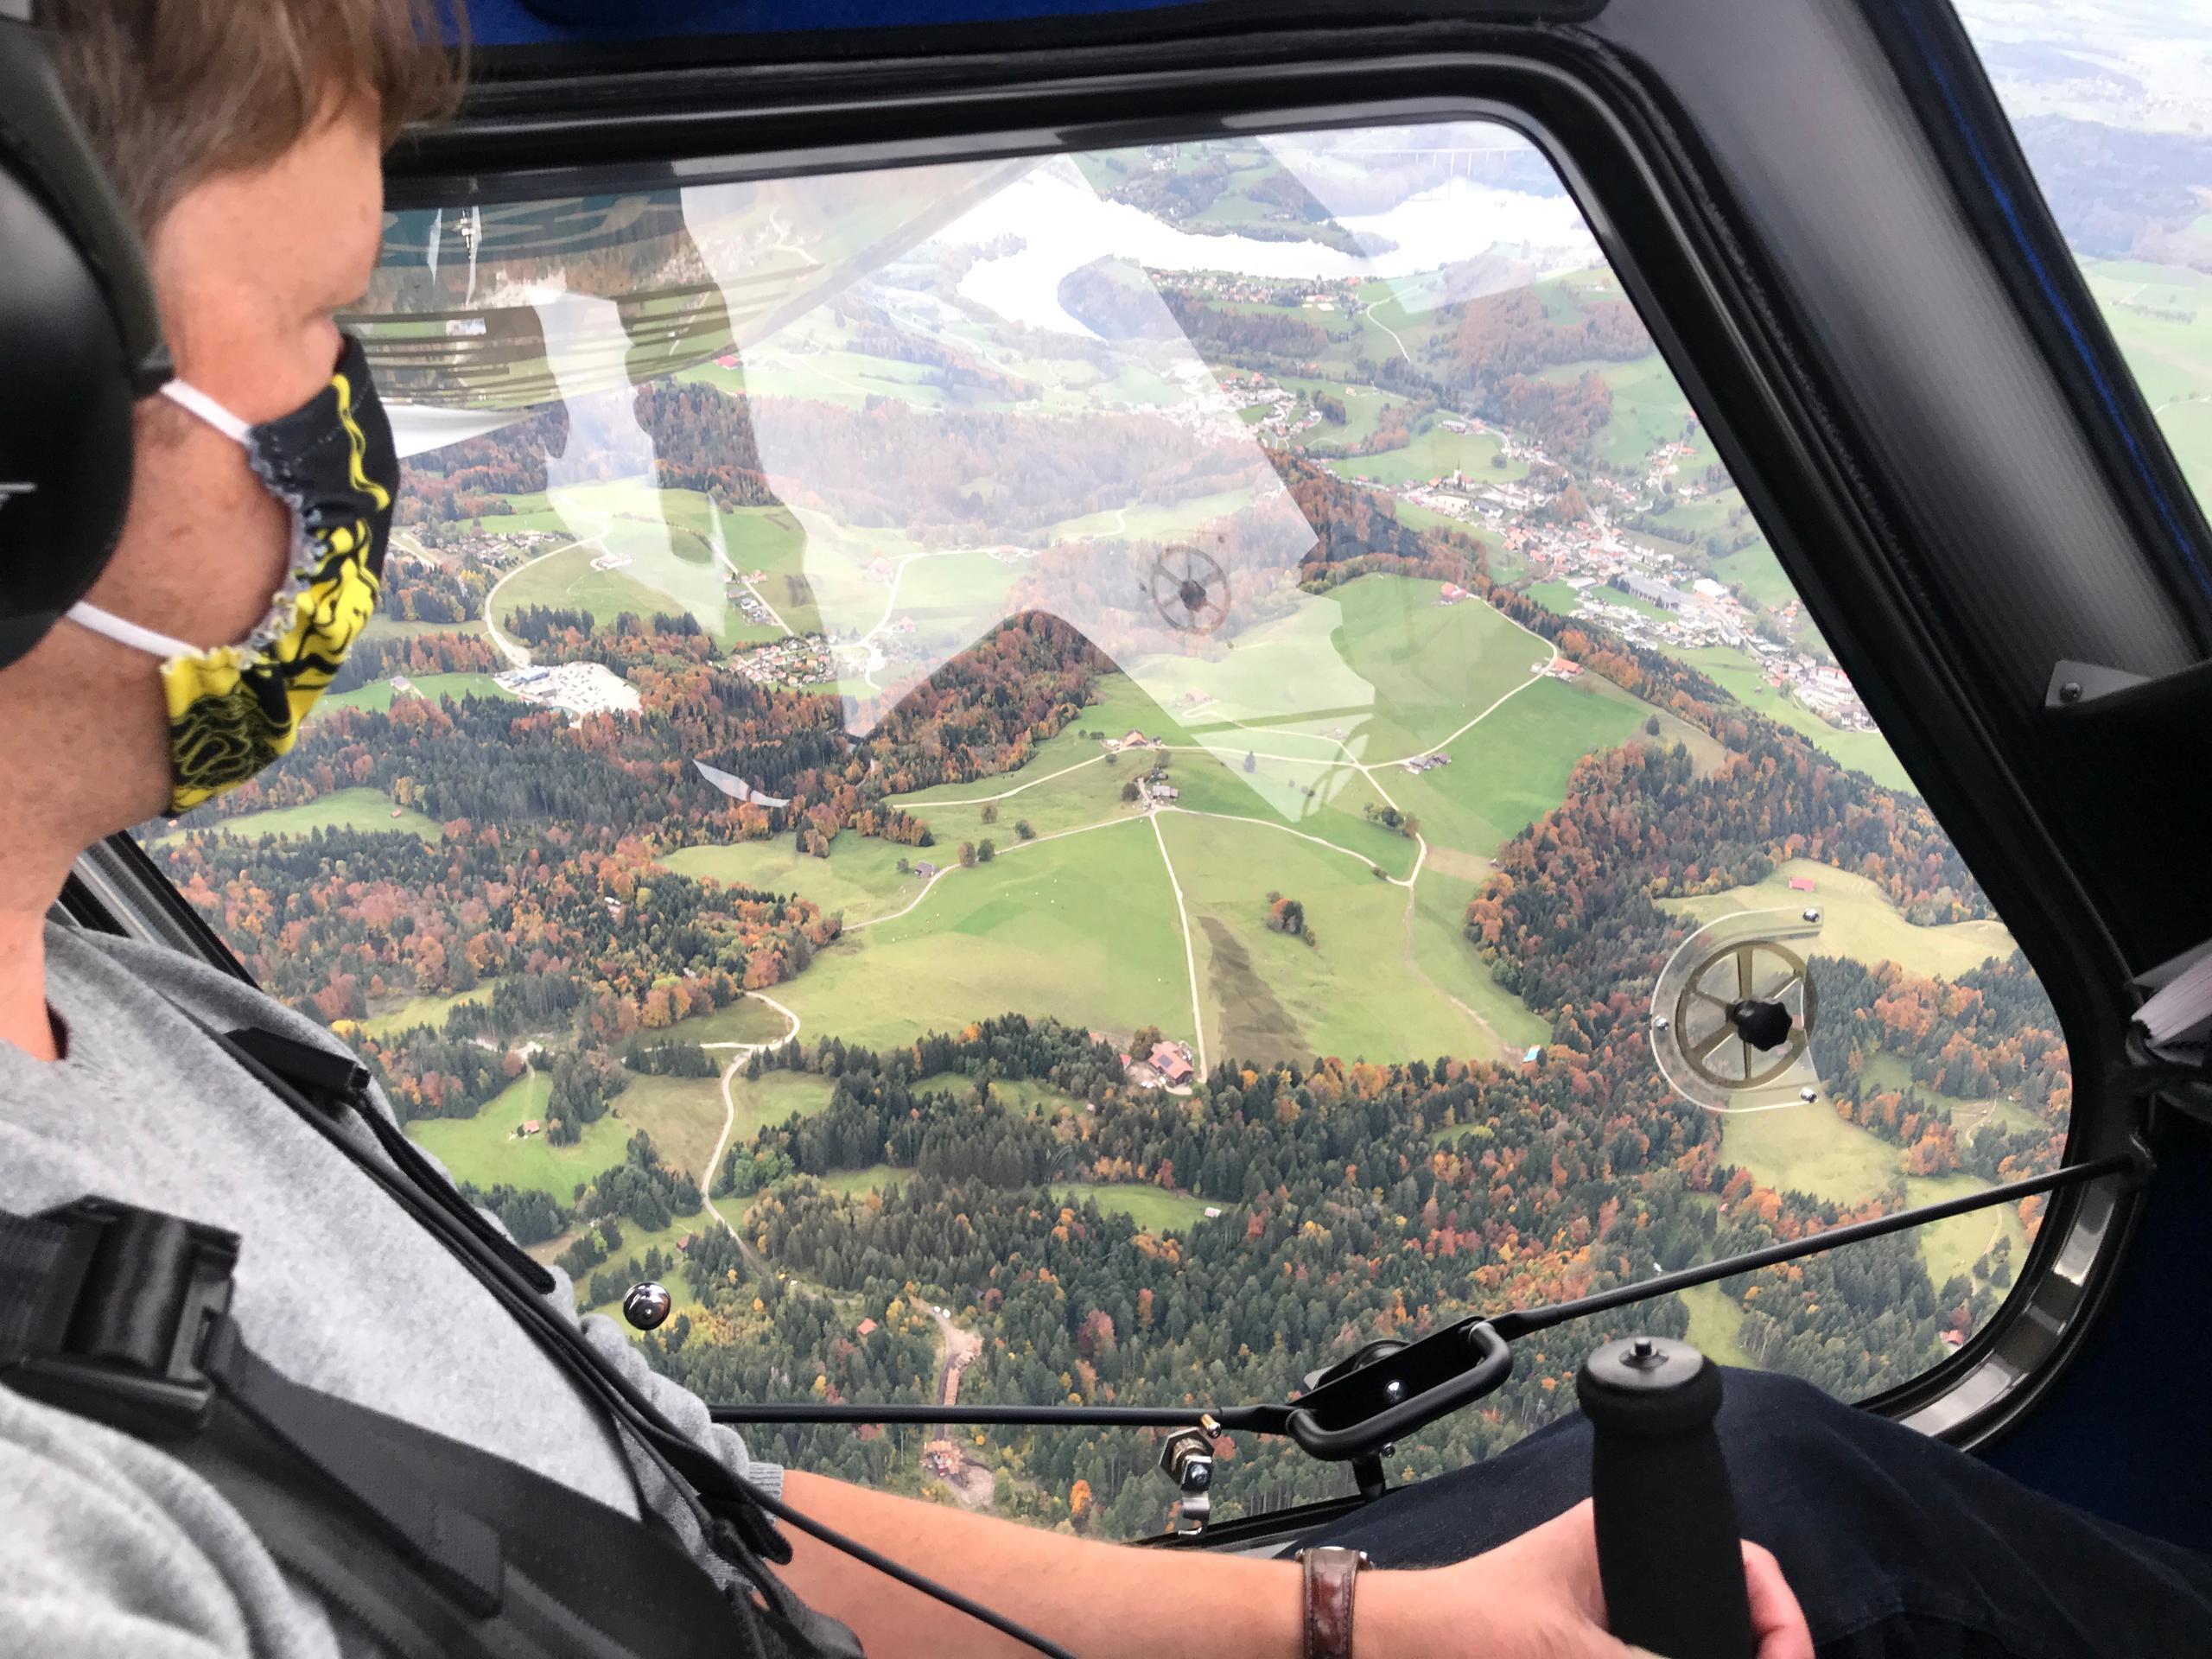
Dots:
pixel 122 1314
pixel 728 1514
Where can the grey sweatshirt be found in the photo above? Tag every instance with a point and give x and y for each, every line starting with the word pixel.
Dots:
pixel 107 1545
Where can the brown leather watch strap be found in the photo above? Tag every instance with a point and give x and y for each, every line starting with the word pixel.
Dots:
pixel 1332 1571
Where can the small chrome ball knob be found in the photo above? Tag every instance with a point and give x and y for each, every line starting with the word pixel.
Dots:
pixel 646 1306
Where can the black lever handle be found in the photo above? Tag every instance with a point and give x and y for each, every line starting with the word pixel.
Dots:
pixel 1668 1547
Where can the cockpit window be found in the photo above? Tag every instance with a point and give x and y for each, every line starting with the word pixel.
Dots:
pixel 1103 779
pixel 2112 105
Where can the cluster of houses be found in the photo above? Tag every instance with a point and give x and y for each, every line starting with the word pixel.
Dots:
pixel 497 549
pixel 1134 739
pixel 797 659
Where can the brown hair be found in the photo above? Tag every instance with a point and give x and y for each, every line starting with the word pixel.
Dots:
pixel 171 92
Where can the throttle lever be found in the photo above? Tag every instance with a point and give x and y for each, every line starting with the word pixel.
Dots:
pixel 1668 1551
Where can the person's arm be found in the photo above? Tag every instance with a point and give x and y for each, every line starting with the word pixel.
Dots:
pixel 1536 1596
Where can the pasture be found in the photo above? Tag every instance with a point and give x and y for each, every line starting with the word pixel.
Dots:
pixel 1858 921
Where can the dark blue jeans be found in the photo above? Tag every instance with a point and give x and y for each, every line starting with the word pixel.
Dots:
pixel 1896 1545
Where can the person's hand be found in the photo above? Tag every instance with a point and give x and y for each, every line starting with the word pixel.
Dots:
pixel 1538 1597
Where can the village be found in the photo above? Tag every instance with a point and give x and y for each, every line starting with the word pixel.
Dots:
pixel 798 660
pixel 1641 592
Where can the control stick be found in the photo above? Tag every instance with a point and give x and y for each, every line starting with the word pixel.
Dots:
pixel 1668 1548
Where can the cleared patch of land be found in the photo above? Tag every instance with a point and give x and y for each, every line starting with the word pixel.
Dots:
pixel 432 1011
pixel 1959 1245
pixel 484 1149
pixel 377 694
pixel 1809 1149
pixel 1082 928
pixel 1858 921
pixel 1268 995
pixel 859 878
pixel 1155 1209
pixel 1514 766
pixel 682 1115
pixel 342 808
pixel 1886 1070
pixel 769 1099
pixel 1713 1320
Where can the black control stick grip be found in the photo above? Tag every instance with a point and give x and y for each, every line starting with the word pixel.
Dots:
pixel 1667 1546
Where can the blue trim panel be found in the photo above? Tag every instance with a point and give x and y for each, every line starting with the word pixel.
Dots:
pixel 542 22
pixel 2122 1433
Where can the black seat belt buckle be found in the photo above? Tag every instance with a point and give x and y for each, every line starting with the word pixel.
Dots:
pixel 131 1305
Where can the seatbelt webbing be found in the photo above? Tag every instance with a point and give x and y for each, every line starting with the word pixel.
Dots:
pixel 438 1548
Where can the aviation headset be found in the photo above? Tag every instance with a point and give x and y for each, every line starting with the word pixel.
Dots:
pixel 80 343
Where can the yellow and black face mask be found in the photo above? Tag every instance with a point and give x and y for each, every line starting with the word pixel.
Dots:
pixel 235 709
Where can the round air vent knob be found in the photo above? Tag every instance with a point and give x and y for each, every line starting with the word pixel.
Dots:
pixel 646 1305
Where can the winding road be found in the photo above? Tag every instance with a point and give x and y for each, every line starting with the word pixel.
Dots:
pixel 744 1052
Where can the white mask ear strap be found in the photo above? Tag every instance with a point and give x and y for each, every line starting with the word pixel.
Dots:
pixel 129 633
pixel 191 397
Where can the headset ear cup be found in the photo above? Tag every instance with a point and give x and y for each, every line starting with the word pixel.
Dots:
pixel 66 422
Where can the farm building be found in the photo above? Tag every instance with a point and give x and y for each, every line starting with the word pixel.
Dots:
pixel 1172 1062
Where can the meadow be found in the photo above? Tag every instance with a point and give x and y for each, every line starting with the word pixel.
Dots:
pixel 1857 920
pixel 366 809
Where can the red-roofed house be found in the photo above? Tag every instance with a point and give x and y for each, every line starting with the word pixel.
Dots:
pixel 1802 884
pixel 866 1328
pixel 1172 1062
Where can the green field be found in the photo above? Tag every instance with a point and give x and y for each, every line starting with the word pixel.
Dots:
pixel 483 1149
pixel 1858 921
pixel 1434 454
pixel 1446 960
pixel 378 694
pixel 670 540
pixel 342 808
pixel 859 878
pixel 1649 410
pixel 1514 766
pixel 745 1020
pixel 1363 407
pixel 2161 318
pixel 682 1115
pixel 1155 1209
pixel 1268 997
pixel 431 1011
pixel 1891 1071
pixel 1713 1321
pixel 1275 792
pixel 1072 786
pixel 1082 928
pixel 853 1182
pixel 1957 1245
pixel 1377 660
pixel 770 1099
pixel 1809 1149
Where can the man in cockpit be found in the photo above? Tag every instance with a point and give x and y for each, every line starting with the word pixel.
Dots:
pixel 244 138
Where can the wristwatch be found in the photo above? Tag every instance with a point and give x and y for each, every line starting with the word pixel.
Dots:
pixel 1332 1570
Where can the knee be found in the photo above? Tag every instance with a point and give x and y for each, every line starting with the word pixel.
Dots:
pixel 1815 1477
